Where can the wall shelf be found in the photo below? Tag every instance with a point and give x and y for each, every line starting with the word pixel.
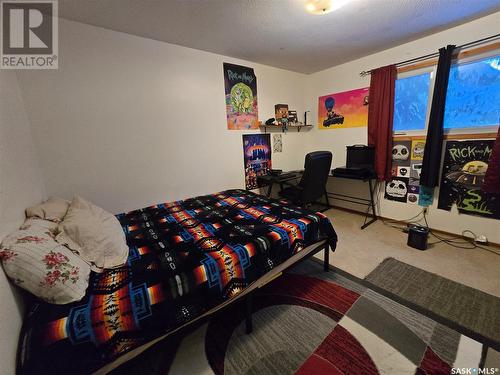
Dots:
pixel 284 128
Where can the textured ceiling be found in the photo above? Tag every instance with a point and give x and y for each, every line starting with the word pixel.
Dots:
pixel 279 32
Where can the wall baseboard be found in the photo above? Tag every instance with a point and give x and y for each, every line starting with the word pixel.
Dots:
pixel 361 213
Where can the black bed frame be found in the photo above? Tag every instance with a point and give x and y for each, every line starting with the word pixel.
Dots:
pixel 249 297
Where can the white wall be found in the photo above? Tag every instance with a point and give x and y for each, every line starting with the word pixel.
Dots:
pixel 346 77
pixel 20 186
pixel 128 121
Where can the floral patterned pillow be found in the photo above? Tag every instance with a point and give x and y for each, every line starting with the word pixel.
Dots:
pixel 33 260
pixel 35 223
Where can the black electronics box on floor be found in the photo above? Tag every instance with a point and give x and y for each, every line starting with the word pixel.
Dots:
pixel 360 156
pixel 417 237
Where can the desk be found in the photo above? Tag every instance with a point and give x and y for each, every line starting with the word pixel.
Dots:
pixel 282 179
pixel 356 200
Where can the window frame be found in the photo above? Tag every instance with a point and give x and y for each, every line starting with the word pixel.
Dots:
pixel 426 67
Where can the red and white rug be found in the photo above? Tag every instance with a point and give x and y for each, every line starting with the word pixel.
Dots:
pixel 309 322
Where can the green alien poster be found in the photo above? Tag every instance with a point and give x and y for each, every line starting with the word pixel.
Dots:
pixel 464 167
pixel 240 85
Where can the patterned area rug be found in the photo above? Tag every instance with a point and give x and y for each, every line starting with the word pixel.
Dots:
pixel 311 322
pixel 473 310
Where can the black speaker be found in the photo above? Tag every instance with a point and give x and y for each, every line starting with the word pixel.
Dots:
pixel 417 237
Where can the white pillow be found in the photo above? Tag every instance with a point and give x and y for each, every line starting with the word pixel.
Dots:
pixel 94 234
pixel 52 209
pixel 34 261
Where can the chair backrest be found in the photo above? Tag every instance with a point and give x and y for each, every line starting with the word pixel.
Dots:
pixel 316 170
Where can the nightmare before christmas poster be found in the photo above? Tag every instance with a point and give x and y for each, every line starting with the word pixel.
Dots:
pixel 464 167
pixel 240 85
pixel 256 157
pixel 348 109
pixel 396 189
pixel 404 185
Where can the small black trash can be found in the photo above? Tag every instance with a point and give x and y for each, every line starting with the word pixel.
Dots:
pixel 417 237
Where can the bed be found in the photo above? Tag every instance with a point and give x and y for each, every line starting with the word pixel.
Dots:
pixel 187 259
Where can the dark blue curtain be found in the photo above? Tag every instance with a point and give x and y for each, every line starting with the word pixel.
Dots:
pixel 431 164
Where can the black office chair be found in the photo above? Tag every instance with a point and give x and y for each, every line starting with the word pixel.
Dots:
pixel 312 185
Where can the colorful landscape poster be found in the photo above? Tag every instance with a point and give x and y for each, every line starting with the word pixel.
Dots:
pixel 464 167
pixel 240 85
pixel 404 185
pixel 348 109
pixel 256 157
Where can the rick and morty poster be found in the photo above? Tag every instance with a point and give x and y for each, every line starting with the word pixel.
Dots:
pixel 241 97
pixel 464 168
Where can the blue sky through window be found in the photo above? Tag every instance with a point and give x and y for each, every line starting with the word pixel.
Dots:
pixel 410 102
pixel 473 97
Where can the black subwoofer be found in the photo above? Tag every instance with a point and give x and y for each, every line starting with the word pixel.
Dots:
pixel 417 237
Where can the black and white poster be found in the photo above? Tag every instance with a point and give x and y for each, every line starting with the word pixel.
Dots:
pixel 396 189
pixel 464 167
pixel 404 185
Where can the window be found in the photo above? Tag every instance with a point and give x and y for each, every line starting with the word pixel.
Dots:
pixel 472 100
pixel 411 100
pixel 473 97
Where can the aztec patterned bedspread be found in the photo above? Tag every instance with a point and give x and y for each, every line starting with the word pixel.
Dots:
pixel 185 258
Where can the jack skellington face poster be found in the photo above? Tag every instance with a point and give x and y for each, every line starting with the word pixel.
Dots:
pixel 464 167
pixel 396 189
pixel 404 185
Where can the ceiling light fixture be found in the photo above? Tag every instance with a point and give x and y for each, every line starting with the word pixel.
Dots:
pixel 319 7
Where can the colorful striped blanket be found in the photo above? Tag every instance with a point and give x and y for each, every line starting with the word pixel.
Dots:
pixel 185 258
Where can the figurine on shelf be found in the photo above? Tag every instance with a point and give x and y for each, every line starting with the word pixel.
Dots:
pixel 292 117
pixel 281 114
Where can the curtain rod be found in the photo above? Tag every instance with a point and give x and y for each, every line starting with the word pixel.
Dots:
pixel 436 54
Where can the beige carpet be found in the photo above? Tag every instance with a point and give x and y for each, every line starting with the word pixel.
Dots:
pixel 360 251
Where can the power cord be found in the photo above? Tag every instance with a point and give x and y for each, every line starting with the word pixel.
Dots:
pixel 456 241
pixel 403 224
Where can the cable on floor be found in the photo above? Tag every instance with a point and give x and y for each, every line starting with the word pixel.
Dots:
pixel 456 241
